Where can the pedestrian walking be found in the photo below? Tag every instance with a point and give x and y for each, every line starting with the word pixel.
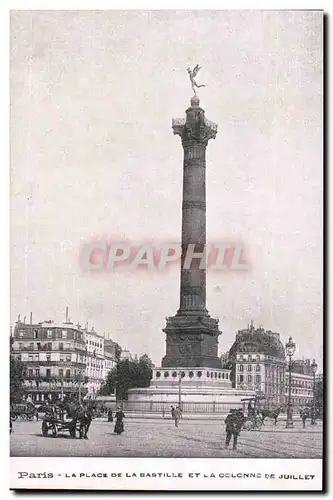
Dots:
pixel 119 427
pixel 110 416
pixel 177 415
pixel 233 422
pixel 87 420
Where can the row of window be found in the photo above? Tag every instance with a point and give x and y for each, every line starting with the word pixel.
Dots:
pixel 249 357
pixel 94 344
pixel 198 374
pixel 256 378
pixel 49 346
pixel 249 368
pixel 61 373
pixel 49 334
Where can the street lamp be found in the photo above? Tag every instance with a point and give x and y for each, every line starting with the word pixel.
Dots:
pixel 314 367
pixel 290 349
pixel 181 374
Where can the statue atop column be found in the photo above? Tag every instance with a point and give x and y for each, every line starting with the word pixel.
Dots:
pixel 192 74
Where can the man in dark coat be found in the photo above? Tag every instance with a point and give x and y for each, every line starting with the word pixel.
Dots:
pixel 87 420
pixel 233 422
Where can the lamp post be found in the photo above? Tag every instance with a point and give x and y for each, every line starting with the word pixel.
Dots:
pixel 180 376
pixel 290 349
pixel 314 367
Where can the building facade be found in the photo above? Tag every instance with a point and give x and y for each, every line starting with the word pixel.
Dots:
pixel 111 354
pixel 55 359
pixel 258 364
pixel 301 389
pixel 95 361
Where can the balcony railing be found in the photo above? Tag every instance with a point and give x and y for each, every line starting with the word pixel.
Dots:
pixel 48 348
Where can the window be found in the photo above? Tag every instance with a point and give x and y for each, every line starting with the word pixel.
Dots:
pixel 191 374
pixel 30 357
pixel 258 378
pixel 257 368
pixel 241 357
pixel 249 368
pixel 68 357
pixel 223 375
pixel 207 374
pixel 215 374
pixel 37 372
pixel 61 372
pixel 257 357
pixel 249 378
pixel 64 334
pixel 61 346
pixel 158 374
pixel 21 333
pixel 31 346
pixel 219 375
pixel 49 334
pixel 241 378
pixel 36 334
pixel 199 374
pixel 61 357
pixel 68 373
pixel 241 368
pixel 48 372
pixel 67 345
pixel 30 373
pixel 166 374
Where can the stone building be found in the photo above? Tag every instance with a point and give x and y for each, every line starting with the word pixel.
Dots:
pixel 55 359
pixel 301 389
pixel 112 352
pixel 95 372
pixel 258 364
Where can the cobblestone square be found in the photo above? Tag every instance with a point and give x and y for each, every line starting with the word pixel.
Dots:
pixel 160 438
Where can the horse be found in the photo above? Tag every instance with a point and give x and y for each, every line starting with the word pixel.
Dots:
pixel 271 413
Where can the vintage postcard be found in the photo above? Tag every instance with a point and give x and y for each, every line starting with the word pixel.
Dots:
pixel 166 250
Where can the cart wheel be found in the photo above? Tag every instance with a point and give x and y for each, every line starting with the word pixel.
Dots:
pixel 23 416
pixel 54 431
pixel 45 429
pixel 13 418
pixel 29 417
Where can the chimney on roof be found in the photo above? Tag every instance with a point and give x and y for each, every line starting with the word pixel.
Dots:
pixel 31 318
pixel 24 319
pixel 66 314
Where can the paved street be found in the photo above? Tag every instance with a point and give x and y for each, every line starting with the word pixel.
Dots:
pixel 160 438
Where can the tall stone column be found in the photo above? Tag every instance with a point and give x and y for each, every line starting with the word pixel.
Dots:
pixel 192 334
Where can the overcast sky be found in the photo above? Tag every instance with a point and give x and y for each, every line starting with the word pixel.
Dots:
pixel 93 155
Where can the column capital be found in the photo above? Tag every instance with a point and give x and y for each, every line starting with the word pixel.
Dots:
pixel 195 129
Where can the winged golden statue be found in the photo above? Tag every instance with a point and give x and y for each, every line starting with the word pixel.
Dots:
pixel 192 74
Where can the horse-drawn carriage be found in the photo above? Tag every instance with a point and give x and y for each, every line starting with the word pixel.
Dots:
pixel 25 411
pixel 63 418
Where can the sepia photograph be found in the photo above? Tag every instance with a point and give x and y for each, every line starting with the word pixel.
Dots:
pixel 166 183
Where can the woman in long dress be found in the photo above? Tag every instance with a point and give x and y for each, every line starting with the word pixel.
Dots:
pixel 119 427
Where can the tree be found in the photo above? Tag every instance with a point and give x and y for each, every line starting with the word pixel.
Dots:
pixel 128 375
pixel 17 373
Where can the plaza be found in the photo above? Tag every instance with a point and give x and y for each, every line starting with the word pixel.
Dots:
pixel 160 438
